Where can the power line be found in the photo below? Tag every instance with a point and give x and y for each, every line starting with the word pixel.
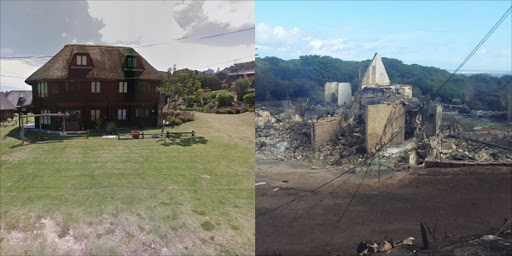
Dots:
pixel 380 148
pixel 220 34
pixel 148 45
pixel 190 68
pixel 13 76
pixel 26 57
pixel 252 56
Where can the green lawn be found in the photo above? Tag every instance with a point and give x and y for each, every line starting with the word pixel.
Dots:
pixel 102 196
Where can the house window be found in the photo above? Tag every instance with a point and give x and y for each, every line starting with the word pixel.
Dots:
pixel 42 89
pixel 123 87
pixel 95 87
pixel 142 112
pixel 131 62
pixel 81 60
pixel 45 119
pixel 121 114
pixel 95 114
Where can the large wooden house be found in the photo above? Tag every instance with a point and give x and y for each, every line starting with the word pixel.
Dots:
pixel 96 84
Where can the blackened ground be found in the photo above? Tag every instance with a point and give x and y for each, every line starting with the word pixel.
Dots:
pixel 464 201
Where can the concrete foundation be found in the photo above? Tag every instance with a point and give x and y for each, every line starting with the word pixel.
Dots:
pixel 324 131
pixel 383 121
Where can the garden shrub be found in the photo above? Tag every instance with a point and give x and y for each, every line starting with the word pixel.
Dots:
pixel 224 98
pixel 249 99
pixel 111 128
pixel 185 116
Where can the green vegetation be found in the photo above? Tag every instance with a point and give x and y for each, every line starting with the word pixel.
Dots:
pixel 241 87
pixel 224 98
pixel 304 78
pixel 131 197
pixel 211 82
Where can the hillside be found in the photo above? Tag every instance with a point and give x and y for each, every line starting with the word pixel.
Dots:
pixel 305 77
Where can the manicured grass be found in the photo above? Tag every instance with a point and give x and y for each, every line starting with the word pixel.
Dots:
pixel 109 196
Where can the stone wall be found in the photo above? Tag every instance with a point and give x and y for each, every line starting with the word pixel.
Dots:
pixel 324 131
pixel 382 122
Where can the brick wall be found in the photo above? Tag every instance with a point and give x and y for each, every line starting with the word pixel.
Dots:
pixel 324 131
pixel 377 131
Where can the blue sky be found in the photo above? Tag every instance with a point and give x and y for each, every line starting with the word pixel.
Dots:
pixel 439 34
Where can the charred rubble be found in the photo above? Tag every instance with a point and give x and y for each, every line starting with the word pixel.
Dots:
pixel 349 126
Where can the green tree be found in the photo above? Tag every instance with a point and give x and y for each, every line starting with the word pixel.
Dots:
pixel 175 90
pixel 241 86
pixel 209 81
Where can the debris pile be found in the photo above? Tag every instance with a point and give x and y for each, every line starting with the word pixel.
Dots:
pixel 285 136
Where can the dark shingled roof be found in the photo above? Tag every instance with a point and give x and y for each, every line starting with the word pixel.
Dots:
pixel 5 104
pixel 20 98
pixel 107 60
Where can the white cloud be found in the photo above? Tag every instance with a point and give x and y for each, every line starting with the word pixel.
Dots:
pixel 266 34
pixel 238 14
pixel 12 69
pixel 293 42
pixel 142 23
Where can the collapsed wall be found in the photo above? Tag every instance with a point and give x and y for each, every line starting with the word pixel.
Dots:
pixel 324 131
pixel 432 118
pixel 383 121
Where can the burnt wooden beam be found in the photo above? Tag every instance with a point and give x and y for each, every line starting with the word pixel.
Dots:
pixel 426 245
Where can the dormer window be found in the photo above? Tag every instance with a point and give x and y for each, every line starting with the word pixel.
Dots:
pixel 131 62
pixel 81 60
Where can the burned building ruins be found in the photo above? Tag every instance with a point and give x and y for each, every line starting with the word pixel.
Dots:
pixel 349 125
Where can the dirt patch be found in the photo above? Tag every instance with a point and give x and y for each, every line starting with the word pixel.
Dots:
pixel 44 238
pixel 464 201
pixel 124 235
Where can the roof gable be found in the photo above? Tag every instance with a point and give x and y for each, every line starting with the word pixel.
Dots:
pixel 108 64
pixel 5 104
pixel 376 74
pixel 20 98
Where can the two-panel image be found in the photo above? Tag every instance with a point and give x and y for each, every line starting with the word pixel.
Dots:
pixel 272 128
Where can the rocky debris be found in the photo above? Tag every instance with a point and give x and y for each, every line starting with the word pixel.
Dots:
pixel 284 136
pixel 450 148
pixel 502 115
pixel 486 245
pixel 287 136
pixel 365 247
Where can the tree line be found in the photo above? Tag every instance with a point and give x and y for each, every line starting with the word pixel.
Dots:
pixel 278 79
